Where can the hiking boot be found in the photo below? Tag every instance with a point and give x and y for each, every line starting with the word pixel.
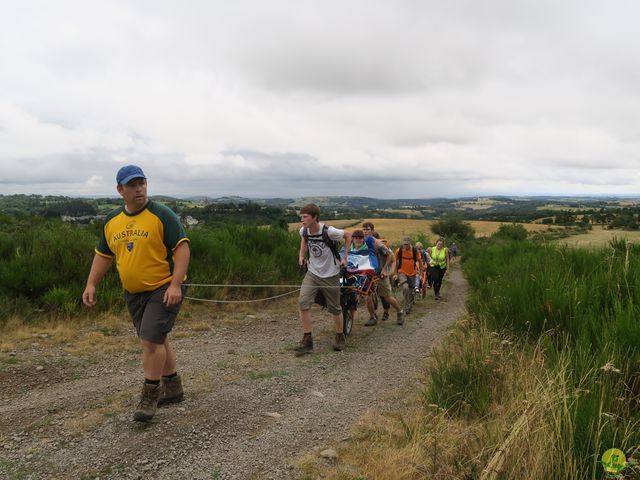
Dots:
pixel 400 318
pixel 148 403
pixel 305 346
pixel 170 390
pixel 371 322
pixel 385 315
pixel 340 342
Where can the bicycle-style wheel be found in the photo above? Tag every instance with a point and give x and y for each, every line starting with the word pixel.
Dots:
pixel 347 321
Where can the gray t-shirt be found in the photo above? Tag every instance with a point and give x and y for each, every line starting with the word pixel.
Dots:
pixel 322 262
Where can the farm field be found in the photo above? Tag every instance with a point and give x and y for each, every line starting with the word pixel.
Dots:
pixel 393 229
pixel 599 237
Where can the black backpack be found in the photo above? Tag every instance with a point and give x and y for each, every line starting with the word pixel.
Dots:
pixel 325 238
pixel 415 255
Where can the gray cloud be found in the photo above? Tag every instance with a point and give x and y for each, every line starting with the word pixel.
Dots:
pixel 410 97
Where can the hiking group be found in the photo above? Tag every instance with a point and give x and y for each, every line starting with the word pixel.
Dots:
pixel 151 250
pixel 319 253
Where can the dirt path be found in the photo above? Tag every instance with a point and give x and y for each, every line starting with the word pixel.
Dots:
pixel 251 409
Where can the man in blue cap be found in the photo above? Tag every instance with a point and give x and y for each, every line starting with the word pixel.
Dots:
pixel 152 253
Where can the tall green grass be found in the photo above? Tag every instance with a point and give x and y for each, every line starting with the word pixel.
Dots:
pixel 44 266
pixel 582 307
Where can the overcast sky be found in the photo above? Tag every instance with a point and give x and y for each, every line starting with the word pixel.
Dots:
pixel 390 99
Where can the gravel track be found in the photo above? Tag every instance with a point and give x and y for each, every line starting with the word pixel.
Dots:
pixel 251 406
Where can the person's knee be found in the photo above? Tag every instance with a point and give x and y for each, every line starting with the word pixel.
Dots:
pixel 150 346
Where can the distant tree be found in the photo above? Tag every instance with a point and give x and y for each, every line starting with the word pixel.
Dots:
pixel 514 231
pixel 627 221
pixel 71 208
pixel 453 227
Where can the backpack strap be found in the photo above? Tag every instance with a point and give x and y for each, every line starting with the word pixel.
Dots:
pixel 330 243
pixel 326 239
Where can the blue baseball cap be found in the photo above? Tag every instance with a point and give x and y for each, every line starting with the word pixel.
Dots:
pixel 128 173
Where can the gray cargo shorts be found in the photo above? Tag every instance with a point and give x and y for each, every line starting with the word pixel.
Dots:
pixel 152 319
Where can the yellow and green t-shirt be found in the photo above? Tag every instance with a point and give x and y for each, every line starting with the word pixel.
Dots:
pixel 142 244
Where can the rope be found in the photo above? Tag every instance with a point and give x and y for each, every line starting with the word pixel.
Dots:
pixel 242 301
pixel 243 286
pixel 296 287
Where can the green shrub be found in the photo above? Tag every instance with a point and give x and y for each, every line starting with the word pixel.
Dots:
pixel 514 231
pixel 453 228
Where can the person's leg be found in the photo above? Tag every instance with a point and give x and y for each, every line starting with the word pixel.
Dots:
pixel 332 295
pixel 170 360
pixel 373 317
pixel 154 322
pixel 307 296
pixel 370 309
pixel 338 322
pixel 154 356
pixel 406 291
pixel 305 320
pixel 410 293
pixel 438 275
pixel 385 309
pixel 392 301
pixel 171 383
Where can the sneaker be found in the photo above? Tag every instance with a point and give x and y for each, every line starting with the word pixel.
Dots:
pixel 148 403
pixel 170 390
pixel 400 318
pixel 438 297
pixel 305 346
pixel 340 342
pixel 371 322
pixel 385 316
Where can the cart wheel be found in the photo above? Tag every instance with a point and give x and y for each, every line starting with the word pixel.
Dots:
pixel 347 321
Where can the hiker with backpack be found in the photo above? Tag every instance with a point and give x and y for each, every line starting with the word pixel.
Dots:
pixel 439 263
pixel 408 264
pixel 383 286
pixel 318 242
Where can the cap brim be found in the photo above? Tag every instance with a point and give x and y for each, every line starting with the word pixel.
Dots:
pixel 126 180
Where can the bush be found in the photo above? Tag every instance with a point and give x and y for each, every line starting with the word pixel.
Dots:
pixel 514 231
pixel 453 228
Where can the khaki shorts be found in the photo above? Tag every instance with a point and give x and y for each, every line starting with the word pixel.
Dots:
pixel 384 287
pixel 312 284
